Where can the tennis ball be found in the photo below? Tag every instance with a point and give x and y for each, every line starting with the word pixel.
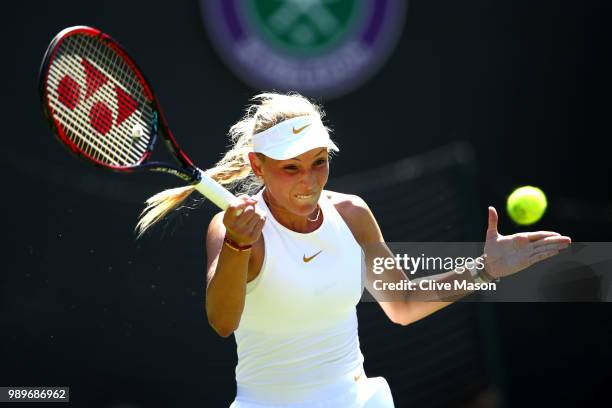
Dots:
pixel 526 205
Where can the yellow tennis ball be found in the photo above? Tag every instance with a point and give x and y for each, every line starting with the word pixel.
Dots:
pixel 526 205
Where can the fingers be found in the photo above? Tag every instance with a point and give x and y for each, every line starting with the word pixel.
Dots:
pixel 492 224
pixel 537 257
pixel 255 216
pixel 534 236
pixel 241 202
pixel 237 206
pixel 258 227
pixel 561 242
pixel 243 221
pixel 548 248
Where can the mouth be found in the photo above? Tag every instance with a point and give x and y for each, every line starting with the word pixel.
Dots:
pixel 305 196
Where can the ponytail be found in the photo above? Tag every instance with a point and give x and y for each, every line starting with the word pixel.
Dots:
pixel 234 170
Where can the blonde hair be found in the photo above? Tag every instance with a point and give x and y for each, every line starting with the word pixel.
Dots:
pixel 234 169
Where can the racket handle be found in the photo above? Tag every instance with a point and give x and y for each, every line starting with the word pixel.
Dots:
pixel 214 191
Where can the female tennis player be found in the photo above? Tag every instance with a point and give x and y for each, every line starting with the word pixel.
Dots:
pixel 284 266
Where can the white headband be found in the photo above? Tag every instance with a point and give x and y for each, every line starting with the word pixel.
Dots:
pixel 292 137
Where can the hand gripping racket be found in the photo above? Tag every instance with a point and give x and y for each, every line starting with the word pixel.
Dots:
pixel 102 109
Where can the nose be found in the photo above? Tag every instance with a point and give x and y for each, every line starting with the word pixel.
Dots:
pixel 309 180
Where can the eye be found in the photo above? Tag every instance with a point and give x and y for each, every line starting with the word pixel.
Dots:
pixel 320 161
pixel 290 167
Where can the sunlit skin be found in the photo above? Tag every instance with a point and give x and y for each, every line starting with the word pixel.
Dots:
pixel 293 187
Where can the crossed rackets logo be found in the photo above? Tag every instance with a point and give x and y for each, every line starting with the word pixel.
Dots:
pixel 100 114
pixel 303 23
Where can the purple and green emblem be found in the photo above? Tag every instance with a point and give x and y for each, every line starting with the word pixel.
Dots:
pixel 322 48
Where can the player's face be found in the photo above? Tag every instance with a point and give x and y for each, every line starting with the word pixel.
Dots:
pixel 296 184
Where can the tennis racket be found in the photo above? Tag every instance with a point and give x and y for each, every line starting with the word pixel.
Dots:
pixel 101 107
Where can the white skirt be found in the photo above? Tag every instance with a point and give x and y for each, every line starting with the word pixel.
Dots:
pixel 365 393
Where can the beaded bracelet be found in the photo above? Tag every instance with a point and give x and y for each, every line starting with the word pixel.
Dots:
pixel 233 245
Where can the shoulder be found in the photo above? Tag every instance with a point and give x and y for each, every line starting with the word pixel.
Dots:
pixel 357 215
pixel 349 206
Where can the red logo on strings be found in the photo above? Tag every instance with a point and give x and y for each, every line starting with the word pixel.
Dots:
pixel 100 114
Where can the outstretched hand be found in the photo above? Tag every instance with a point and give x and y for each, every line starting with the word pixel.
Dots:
pixel 508 254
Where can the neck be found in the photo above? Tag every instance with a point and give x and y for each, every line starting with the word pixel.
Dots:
pixel 294 222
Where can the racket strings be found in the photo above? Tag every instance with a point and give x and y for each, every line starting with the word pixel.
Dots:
pixel 105 53
pixel 80 121
pixel 97 99
pixel 73 120
pixel 98 117
pixel 116 68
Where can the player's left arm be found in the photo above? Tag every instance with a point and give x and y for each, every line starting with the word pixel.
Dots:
pixel 504 255
pixel 367 233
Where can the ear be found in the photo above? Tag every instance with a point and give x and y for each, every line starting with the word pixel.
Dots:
pixel 256 164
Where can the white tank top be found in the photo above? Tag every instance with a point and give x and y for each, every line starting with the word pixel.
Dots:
pixel 297 338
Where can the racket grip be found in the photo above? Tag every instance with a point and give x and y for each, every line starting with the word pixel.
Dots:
pixel 214 191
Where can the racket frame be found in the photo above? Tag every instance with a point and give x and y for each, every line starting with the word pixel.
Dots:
pixel 186 170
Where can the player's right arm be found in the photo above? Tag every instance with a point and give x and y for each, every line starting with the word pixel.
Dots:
pixel 227 268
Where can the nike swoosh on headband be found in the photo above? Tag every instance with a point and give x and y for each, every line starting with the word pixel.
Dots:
pixel 298 130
